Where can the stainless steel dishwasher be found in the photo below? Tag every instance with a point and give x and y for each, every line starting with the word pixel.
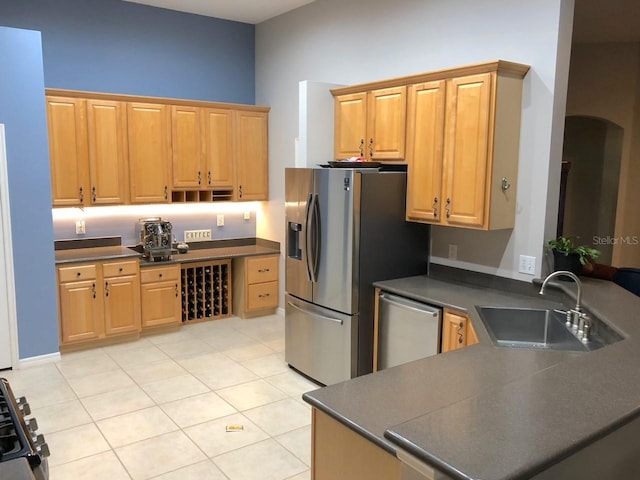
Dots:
pixel 407 330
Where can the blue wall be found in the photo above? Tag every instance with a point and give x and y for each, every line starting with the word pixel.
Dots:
pixel 122 47
pixel 102 46
pixel 22 110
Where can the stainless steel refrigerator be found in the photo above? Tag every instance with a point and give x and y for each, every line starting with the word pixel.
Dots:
pixel 346 228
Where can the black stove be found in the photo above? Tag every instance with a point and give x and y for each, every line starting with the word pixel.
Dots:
pixel 18 437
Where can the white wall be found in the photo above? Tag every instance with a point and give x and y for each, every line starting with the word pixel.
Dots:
pixel 356 41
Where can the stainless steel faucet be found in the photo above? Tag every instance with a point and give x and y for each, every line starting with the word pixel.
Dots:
pixel 578 321
pixel 565 273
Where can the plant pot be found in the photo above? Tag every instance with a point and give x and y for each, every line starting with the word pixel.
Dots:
pixel 569 262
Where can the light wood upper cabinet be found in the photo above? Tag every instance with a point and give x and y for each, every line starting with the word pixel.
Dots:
pixel 252 156
pixel 68 151
pixel 148 128
pixel 110 149
pixel 219 151
pixel 106 128
pixel 466 152
pixel 186 146
pixel 371 124
pixel 463 158
pixel 425 143
pixel 386 123
pixel 350 125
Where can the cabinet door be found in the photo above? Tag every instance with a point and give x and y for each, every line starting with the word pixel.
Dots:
pixel 67 151
pixel 454 331
pixel 122 305
pixel 466 149
pixel 350 125
pixel 80 311
pixel 186 146
pixel 386 124
pixel 252 156
pixel 425 139
pixel 106 128
pixel 338 453
pixel 219 154
pixel 148 144
pixel 161 304
pixel 261 296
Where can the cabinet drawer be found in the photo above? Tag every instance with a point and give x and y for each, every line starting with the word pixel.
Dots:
pixel 157 274
pixel 76 272
pixel 262 295
pixel 262 269
pixel 117 269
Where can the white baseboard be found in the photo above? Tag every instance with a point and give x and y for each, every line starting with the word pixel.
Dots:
pixel 39 360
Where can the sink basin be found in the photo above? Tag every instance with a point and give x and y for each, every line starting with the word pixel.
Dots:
pixel 529 328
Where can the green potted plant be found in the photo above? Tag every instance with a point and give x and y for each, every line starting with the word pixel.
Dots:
pixel 569 256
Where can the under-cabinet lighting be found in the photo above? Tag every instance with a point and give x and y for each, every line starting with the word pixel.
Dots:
pixel 155 210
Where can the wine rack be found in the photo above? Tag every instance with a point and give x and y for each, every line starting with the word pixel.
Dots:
pixel 206 290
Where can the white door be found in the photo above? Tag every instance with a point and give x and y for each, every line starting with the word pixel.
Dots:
pixel 8 343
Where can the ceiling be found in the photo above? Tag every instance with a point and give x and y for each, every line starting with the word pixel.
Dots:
pixel 246 11
pixel 594 21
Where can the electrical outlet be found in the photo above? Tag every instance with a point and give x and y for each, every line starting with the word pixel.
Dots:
pixel 197 235
pixel 247 215
pixel 80 227
pixel 220 221
pixel 527 265
pixel 453 252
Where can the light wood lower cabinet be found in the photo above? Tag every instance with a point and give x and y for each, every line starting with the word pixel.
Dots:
pixel 339 453
pixel 255 285
pixel 98 300
pixel 457 331
pixel 160 291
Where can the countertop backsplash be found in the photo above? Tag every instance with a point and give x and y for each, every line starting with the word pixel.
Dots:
pixel 121 221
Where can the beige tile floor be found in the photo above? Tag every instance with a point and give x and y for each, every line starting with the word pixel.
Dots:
pixel 158 407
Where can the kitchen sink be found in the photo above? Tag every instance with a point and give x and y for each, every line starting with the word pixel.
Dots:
pixel 540 329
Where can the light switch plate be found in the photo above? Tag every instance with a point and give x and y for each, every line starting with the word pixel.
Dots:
pixel 220 221
pixel 80 227
pixel 197 235
pixel 527 265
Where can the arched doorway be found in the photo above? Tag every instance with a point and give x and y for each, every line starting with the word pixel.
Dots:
pixel 593 146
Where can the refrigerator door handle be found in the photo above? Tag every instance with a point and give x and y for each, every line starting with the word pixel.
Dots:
pixel 317 315
pixel 307 236
pixel 315 215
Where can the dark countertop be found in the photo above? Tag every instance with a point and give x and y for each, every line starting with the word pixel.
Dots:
pixel 486 412
pixel 94 254
pixel 217 253
pixel 227 249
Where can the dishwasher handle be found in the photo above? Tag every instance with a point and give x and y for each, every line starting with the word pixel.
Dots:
pixel 407 304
